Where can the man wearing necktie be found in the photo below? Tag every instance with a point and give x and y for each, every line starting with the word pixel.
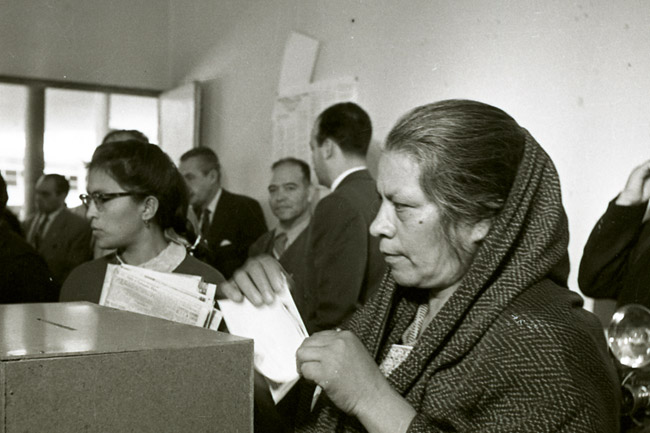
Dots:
pixel 290 193
pixel 60 236
pixel 228 223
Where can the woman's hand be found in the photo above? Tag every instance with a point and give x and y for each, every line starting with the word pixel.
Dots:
pixel 637 188
pixel 258 280
pixel 340 364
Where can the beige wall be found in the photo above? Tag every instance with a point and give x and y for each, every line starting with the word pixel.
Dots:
pixel 110 42
pixel 576 74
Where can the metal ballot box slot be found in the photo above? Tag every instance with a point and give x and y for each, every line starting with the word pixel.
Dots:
pixel 80 367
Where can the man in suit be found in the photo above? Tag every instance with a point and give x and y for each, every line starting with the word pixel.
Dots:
pixel 60 236
pixel 290 193
pixel 24 275
pixel 227 223
pixel 344 265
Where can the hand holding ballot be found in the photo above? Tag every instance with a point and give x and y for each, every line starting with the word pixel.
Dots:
pixel 277 329
pixel 259 280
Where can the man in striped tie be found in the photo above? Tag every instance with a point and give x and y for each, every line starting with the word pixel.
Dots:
pixel 290 193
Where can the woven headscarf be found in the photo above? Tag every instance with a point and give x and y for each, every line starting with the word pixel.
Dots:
pixel 525 249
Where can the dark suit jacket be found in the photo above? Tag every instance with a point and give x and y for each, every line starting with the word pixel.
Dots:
pixel 293 261
pixel 66 245
pixel 616 260
pixel 24 276
pixel 237 222
pixel 343 263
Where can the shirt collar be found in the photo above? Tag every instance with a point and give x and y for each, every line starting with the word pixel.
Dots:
pixel 168 259
pixel 294 231
pixel 345 174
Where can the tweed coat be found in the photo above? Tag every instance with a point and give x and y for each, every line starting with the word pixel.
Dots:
pixel 511 350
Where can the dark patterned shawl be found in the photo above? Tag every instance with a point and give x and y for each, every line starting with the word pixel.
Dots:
pixel 511 350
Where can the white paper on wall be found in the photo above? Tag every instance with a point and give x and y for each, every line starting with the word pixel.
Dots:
pixel 298 62
pixel 294 114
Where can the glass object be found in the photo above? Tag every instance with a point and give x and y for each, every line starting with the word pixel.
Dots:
pixel 628 335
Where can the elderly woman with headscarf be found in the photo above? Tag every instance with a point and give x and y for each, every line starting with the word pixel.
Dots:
pixel 474 328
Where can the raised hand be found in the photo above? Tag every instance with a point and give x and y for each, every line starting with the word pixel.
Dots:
pixel 637 188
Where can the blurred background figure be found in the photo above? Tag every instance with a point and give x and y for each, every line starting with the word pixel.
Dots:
pixel 616 259
pixel 24 275
pixel 60 236
pixel 125 135
pixel 7 218
pixel 227 223
pixel 137 206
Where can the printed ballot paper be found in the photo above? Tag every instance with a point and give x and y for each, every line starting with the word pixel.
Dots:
pixel 177 297
pixel 278 331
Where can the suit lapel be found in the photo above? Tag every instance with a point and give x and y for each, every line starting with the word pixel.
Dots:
pixel 53 232
pixel 220 217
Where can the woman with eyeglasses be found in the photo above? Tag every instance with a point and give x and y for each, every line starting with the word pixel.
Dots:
pixel 137 205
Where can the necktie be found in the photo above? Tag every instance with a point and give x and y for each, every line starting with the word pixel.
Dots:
pixel 40 231
pixel 280 244
pixel 205 223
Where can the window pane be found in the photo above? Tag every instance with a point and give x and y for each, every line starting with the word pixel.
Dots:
pixel 73 127
pixel 13 104
pixel 135 112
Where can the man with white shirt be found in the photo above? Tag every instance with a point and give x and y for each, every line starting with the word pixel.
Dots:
pixel 343 263
pixel 227 223
pixel 60 236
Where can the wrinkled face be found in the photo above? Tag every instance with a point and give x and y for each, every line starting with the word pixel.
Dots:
pixel 201 186
pixel 411 234
pixel 288 193
pixel 47 199
pixel 317 157
pixel 117 223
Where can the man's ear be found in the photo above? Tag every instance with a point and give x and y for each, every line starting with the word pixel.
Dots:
pixel 311 193
pixel 328 148
pixel 213 175
pixel 150 208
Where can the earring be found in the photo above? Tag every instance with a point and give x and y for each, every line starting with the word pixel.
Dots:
pixel 146 223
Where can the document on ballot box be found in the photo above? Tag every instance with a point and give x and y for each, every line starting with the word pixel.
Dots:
pixel 177 297
pixel 277 330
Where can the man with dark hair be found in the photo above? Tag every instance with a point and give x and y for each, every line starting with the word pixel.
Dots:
pixel 344 265
pixel 290 194
pixel 24 276
pixel 228 223
pixel 60 236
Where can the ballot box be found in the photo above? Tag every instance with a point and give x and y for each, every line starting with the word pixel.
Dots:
pixel 80 367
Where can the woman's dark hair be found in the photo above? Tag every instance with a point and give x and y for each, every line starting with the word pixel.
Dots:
pixel 468 153
pixel 146 170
